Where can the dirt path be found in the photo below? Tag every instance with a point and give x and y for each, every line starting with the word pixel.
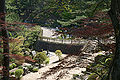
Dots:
pixel 62 70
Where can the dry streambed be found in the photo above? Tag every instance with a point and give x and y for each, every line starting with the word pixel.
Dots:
pixel 62 70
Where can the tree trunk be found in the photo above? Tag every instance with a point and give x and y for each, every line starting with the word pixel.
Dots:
pixel 114 13
pixel 5 42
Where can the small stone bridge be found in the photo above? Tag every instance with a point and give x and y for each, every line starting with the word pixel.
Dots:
pixel 65 45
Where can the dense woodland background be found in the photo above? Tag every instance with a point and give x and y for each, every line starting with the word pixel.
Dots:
pixel 20 22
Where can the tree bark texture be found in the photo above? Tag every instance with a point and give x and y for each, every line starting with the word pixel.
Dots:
pixel 114 14
pixel 5 39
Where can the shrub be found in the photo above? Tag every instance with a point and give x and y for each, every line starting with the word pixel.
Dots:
pixel 108 61
pixel 20 67
pixel 32 36
pixel 30 68
pixel 20 54
pixel 18 73
pixel 40 57
pixel 12 60
pixel 10 66
pixel 47 61
pixel 15 44
pixel 14 65
pixel 12 73
pixel 100 66
pixel 93 76
pixel 100 58
pixel 35 70
pixel 59 54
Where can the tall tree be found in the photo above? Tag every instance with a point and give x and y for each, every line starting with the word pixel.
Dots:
pixel 5 41
pixel 114 14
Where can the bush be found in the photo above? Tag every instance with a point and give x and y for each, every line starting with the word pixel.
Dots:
pixel 32 36
pixel 93 76
pixel 20 67
pixel 12 73
pixel 30 68
pixel 10 67
pixel 40 57
pixel 12 60
pixel 15 44
pixel 47 61
pixel 14 65
pixel 100 66
pixel 108 61
pixel 100 58
pixel 18 73
pixel 20 54
pixel 35 70
pixel 59 54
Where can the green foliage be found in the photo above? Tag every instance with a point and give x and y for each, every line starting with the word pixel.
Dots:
pixel 10 66
pixel 15 44
pixel 59 54
pixel 1 58
pixel 108 61
pixel 12 60
pixel 20 54
pixel 41 57
pixel 75 75
pixel 71 21
pixel 31 35
pixel 14 65
pixel 20 67
pixel 99 58
pixel 92 76
pixel 99 69
pixel 12 17
pixel 12 73
pixel 18 73
pixel 35 70
pixel 47 61
pixel 30 68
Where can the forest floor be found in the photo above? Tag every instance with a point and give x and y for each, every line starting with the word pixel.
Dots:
pixel 64 69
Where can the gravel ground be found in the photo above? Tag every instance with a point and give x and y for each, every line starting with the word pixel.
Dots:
pixel 62 70
pixel 34 76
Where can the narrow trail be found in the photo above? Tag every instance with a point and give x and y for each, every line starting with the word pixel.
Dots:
pixel 62 70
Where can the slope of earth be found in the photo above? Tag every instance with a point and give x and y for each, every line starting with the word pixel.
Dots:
pixel 64 69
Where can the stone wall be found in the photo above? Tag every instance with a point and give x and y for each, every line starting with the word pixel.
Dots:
pixel 51 46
